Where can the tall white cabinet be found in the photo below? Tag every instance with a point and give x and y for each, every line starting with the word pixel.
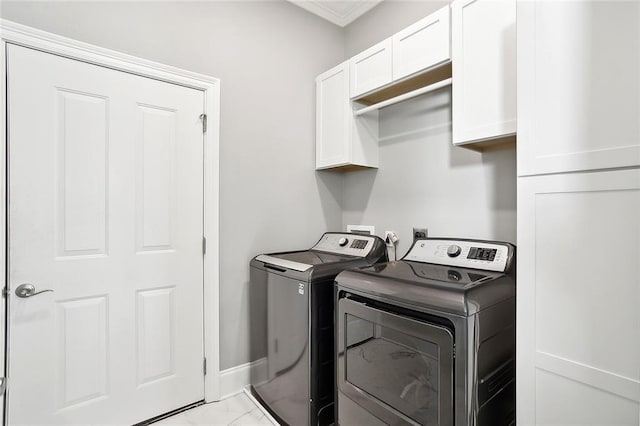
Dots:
pixel 578 303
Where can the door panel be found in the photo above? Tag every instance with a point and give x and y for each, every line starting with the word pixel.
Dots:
pixel 153 184
pixel 155 334
pixel 402 372
pixel 83 367
pixel 105 191
pixel 81 164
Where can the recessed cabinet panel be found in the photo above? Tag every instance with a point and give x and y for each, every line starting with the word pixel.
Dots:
pixel 579 86
pixel 421 45
pixel 371 69
pixel 578 287
pixel 484 69
pixel 580 404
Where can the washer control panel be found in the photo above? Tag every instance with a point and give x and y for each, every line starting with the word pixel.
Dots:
pixel 465 254
pixel 349 244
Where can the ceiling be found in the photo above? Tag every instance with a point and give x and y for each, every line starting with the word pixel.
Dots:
pixel 341 13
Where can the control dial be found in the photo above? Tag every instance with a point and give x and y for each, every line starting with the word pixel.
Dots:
pixel 343 241
pixel 454 251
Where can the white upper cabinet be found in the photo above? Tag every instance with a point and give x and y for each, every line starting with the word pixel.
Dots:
pixel 422 45
pixel 413 50
pixel 371 69
pixel 578 86
pixel 348 96
pixel 483 34
pixel 332 105
pixel 342 140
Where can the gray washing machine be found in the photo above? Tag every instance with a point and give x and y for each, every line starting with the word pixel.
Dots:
pixel 429 339
pixel 292 316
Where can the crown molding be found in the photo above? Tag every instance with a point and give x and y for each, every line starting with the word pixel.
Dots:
pixel 340 13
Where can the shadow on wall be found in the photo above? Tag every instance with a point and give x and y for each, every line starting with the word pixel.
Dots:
pixel 500 172
pixel 463 157
pixel 329 186
pixel 366 179
pixel 418 119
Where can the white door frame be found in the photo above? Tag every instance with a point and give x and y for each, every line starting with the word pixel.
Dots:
pixel 11 32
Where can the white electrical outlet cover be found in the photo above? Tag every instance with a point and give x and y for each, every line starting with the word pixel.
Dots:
pixel 362 229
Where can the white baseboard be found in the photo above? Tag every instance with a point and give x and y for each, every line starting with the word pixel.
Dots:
pixel 234 379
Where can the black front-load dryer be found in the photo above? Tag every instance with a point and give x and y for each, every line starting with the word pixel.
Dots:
pixel 291 296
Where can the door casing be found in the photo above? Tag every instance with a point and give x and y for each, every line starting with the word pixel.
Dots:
pixel 22 35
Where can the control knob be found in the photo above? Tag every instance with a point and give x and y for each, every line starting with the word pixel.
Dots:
pixel 343 241
pixel 454 250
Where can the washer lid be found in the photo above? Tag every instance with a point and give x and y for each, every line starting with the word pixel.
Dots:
pixel 302 260
pixel 312 257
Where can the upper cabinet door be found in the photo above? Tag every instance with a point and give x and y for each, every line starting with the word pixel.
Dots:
pixel 371 69
pixel 578 86
pixel 484 69
pixel 333 110
pixel 422 45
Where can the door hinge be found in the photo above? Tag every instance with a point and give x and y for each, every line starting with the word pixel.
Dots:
pixel 203 118
pixel 204 366
pixel 204 246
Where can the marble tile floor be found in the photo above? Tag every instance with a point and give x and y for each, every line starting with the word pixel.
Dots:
pixel 237 410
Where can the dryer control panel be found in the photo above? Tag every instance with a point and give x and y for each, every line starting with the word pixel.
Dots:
pixel 349 244
pixel 487 255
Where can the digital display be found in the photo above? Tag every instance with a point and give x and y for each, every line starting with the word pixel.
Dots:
pixel 359 244
pixel 479 253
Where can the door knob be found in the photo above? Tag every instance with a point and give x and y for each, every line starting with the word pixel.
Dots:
pixel 27 290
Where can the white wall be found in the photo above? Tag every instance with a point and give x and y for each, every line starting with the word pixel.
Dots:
pixel 422 179
pixel 267 55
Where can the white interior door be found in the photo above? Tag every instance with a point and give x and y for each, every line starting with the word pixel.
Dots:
pixel 106 210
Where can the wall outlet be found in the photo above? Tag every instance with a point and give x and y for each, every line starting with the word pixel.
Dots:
pixel 420 233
